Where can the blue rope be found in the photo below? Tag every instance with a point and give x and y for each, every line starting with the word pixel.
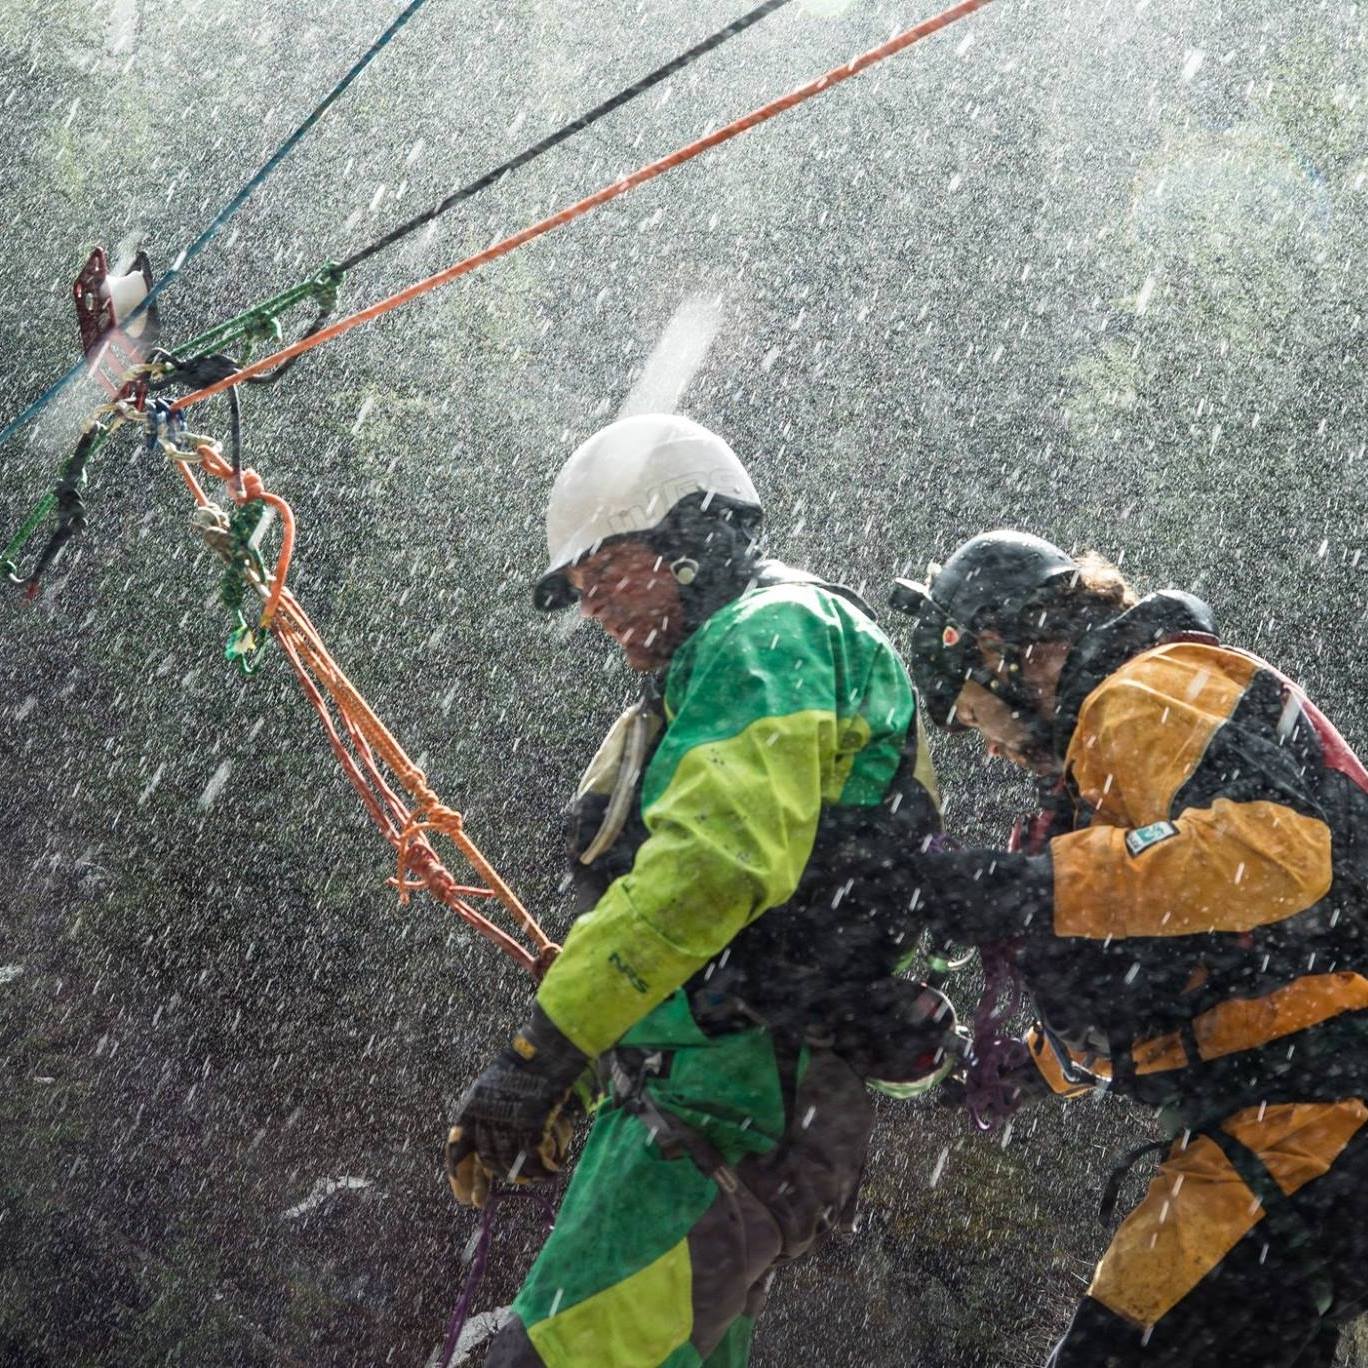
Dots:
pixel 224 214
pixel 40 403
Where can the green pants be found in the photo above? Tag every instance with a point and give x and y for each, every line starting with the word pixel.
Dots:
pixel 653 1262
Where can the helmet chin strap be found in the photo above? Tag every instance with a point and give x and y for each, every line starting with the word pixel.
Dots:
pixel 1013 690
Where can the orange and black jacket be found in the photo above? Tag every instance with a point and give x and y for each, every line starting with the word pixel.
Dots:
pixel 1195 929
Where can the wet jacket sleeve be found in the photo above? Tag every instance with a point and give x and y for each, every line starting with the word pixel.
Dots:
pixel 755 745
pixel 1202 818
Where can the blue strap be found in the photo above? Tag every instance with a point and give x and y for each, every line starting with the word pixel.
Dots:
pixel 226 213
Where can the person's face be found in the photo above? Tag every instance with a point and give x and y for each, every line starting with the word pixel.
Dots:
pixel 629 591
pixel 1005 732
pixel 1008 733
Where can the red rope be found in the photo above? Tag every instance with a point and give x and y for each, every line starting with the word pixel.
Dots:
pixel 407 829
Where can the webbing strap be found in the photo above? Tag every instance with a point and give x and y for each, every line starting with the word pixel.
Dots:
pixel 1106 1208
pixel 670 1133
pixel 1282 1220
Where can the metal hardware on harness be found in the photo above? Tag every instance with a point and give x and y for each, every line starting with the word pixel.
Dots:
pixel 627 1071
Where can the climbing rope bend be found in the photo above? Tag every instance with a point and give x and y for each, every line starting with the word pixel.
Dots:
pixel 365 748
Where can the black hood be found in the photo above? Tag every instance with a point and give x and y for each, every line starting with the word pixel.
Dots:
pixel 770 572
pixel 703 599
pixel 1155 619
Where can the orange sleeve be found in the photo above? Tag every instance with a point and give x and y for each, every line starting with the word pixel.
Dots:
pixel 1140 870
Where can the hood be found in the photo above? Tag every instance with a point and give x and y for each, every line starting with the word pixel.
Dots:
pixel 1155 619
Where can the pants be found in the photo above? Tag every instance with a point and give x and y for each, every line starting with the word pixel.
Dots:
pixel 657 1263
pixel 1205 1273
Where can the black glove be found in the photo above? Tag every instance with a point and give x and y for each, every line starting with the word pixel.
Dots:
pixel 901 1036
pixel 1019 1084
pixel 983 895
pixel 510 1122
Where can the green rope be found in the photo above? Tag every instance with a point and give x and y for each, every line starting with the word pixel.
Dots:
pixel 243 648
pixel 8 566
pixel 74 472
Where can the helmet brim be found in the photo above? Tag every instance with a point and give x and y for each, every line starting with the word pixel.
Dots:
pixel 553 592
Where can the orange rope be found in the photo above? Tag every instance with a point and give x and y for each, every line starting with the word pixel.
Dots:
pixel 328 689
pixel 609 192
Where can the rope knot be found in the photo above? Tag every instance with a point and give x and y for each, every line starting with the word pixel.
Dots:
pixel 439 817
pixel 250 487
pixel 432 815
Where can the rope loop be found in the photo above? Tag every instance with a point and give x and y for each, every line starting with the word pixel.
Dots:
pixel 431 816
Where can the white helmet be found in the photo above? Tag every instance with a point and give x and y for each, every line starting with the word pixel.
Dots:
pixel 627 478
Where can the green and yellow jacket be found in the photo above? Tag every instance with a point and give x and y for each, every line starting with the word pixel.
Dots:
pixel 790 728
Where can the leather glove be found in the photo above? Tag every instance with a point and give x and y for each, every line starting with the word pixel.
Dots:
pixel 510 1122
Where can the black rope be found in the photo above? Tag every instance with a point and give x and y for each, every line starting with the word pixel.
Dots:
pixel 282 370
pixel 71 518
pixel 567 130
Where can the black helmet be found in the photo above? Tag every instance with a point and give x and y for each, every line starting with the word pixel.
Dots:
pixel 994 578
